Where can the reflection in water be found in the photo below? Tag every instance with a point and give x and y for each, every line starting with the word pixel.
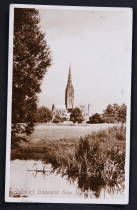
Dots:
pixel 89 168
pixel 37 179
pixel 92 169
pixel 44 170
pixel 88 185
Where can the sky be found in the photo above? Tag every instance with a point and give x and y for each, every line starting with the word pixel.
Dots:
pixel 97 44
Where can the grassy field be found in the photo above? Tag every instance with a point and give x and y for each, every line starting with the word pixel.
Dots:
pixel 44 132
pixel 41 142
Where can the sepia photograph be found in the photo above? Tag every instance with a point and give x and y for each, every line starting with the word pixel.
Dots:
pixel 68 114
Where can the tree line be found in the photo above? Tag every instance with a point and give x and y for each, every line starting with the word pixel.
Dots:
pixel 112 114
pixel 45 115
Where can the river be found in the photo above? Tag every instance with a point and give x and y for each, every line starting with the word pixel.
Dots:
pixel 34 179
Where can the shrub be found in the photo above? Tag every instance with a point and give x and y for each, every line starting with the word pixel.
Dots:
pixel 96 118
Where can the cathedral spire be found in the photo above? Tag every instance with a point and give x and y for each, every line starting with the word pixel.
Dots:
pixel 69 93
pixel 69 75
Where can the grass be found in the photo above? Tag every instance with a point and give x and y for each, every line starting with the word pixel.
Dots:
pixel 94 161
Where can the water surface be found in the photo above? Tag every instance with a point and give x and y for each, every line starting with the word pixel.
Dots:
pixel 35 179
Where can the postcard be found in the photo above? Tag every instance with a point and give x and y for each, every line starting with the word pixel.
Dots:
pixel 69 93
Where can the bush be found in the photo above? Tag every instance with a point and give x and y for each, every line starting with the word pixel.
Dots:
pixel 96 118
pixel 58 119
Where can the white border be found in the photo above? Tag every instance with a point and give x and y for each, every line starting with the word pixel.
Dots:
pixel 9 112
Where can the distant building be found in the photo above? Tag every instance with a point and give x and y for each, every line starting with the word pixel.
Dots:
pixel 69 93
pixel 61 111
pixel 85 110
pixel 64 111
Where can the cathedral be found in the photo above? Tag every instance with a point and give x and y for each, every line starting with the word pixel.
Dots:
pixel 69 92
pixel 64 110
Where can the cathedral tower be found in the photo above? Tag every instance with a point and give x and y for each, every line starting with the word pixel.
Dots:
pixel 69 93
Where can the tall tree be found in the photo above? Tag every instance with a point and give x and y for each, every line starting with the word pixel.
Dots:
pixel 43 115
pixel 31 59
pixel 76 115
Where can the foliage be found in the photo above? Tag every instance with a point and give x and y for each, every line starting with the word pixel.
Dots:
pixel 115 113
pixel 31 59
pixel 76 115
pixel 43 115
pixel 112 114
pixel 92 164
pixel 59 116
pixel 58 119
pixel 96 118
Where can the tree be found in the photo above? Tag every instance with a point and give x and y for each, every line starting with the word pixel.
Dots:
pixel 76 115
pixel 43 115
pixel 96 118
pixel 122 113
pixel 115 113
pixel 31 59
